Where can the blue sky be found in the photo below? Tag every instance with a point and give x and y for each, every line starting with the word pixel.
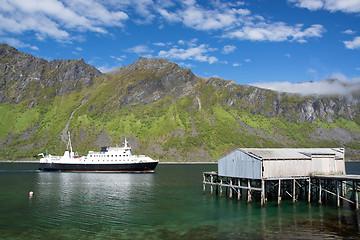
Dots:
pixel 269 43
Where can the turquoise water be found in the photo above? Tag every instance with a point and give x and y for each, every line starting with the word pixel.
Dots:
pixel 168 204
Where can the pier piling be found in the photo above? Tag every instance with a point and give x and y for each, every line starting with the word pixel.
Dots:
pixel 318 188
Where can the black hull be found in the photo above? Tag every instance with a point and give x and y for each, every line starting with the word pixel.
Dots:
pixel 128 167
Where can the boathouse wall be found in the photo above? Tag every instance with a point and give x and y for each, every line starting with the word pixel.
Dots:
pixel 240 164
pixel 287 168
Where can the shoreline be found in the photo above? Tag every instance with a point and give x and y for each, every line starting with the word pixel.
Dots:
pixel 37 161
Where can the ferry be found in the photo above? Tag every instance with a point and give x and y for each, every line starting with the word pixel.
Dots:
pixel 109 159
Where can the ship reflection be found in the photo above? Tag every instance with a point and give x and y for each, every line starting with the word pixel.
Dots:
pixel 88 188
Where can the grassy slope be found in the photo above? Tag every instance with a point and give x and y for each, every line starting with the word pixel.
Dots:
pixel 170 123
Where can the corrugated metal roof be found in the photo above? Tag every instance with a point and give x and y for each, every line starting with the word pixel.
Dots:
pixel 293 153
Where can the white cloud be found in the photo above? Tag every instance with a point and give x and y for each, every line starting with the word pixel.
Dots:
pixel 200 19
pixel 57 19
pixel 276 32
pixel 120 59
pixel 234 21
pixel 171 17
pixel 188 65
pixel 62 20
pixel 140 49
pixel 311 88
pixel 348 6
pixel 228 49
pixel 106 68
pixel 309 4
pixel 196 53
pixel 339 84
pixel 237 64
pixel 220 16
pixel 287 55
pixel 159 44
pixel 354 44
pixel 17 43
pixel 349 31
pixel 339 76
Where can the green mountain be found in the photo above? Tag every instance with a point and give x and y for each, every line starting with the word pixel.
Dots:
pixel 164 111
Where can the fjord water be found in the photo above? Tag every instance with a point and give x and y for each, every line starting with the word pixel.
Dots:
pixel 167 204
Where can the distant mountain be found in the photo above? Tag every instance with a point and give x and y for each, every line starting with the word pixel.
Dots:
pixel 24 77
pixel 164 110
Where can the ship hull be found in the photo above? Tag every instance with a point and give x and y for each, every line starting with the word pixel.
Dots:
pixel 126 167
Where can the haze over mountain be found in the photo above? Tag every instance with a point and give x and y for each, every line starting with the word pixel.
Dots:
pixel 164 110
pixel 324 87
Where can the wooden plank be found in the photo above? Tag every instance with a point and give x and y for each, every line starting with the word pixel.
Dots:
pixel 279 192
pixel 249 191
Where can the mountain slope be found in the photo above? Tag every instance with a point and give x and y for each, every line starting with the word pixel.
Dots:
pixel 164 110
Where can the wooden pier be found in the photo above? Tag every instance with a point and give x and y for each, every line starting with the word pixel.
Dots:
pixel 320 188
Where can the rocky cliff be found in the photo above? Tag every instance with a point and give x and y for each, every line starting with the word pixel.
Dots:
pixel 24 77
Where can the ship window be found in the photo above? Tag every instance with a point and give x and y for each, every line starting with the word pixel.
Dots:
pixel 112 155
pixel 107 155
pixel 90 155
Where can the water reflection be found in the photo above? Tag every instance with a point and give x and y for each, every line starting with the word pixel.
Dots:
pixel 96 187
pixel 91 201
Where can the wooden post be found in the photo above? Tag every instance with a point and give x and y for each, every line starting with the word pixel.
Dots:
pixel 204 183
pixel 211 188
pixel 337 193
pixel 356 195
pixel 239 189
pixel 320 190
pixel 294 189
pixel 249 191
pixel 279 192
pixel 221 182
pixel 230 189
pixel 262 192
pixel 309 191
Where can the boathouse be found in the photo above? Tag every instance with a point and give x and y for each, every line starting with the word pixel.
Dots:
pixel 270 163
pixel 284 172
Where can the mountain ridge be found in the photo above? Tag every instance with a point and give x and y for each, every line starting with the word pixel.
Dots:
pixel 164 110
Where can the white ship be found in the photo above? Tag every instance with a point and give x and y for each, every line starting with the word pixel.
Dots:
pixel 109 159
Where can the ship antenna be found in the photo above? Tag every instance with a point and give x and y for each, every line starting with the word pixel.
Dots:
pixel 125 143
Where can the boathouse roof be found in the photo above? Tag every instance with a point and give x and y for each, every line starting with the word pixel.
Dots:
pixel 293 153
